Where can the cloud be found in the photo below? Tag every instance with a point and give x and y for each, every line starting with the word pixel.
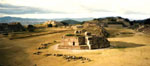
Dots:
pixel 8 6
pixel 134 12
pixel 91 9
pixel 12 9
pixel 75 8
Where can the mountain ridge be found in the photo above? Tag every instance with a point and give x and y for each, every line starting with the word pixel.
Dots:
pixel 8 19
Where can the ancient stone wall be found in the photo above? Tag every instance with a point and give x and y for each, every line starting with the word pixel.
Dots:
pixel 81 40
pixel 73 42
pixel 115 25
pixel 98 42
pixel 96 29
pixel 94 38
pixel 11 27
pixel 15 26
pixel 68 47
pixel 70 40
pixel 53 23
pixel 84 47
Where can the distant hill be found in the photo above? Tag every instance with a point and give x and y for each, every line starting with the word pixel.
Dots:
pixel 106 21
pixel 70 21
pixel 145 21
pixel 9 19
pixel 21 20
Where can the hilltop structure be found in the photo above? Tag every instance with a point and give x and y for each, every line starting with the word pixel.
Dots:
pixel 113 22
pixel 77 27
pixel 85 40
pixel 95 28
pixel 52 23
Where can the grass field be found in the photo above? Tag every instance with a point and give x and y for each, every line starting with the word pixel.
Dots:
pixel 125 50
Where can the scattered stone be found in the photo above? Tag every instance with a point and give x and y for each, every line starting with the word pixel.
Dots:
pixel 68 60
pixel 35 64
pixel 55 54
pixel 37 53
pixel 47 54
pixel 43 46
pixel 83 62
pixel 55 41
pixel 59 55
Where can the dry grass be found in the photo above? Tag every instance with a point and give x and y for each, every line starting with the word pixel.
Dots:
pixel 125 51
pixel 37 32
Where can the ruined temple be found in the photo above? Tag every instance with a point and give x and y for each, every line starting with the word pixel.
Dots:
pixel 85 40
pixel 95 28
pixel 113 22
pixel 52 23
pixel 11 27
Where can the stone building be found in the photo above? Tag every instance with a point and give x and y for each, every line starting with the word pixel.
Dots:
pixel 11 27
pixel 83 41
pixel 116 25
pixel 77 27
pixel 113 22
pixel 95 28
pixel 52 23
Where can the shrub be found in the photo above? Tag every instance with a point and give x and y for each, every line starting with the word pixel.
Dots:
pixel 50 25
pixel 55 41
pixel 69 34
pixel 30 28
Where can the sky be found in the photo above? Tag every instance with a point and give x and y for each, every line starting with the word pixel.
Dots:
pixel 132 9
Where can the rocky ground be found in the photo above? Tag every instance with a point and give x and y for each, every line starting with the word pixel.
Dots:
pixel 128 48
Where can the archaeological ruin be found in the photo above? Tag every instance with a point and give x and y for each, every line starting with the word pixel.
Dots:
pixel 52 23
pixel 85 40
pixel 11 27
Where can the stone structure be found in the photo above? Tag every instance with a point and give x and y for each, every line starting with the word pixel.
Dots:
pixel 113 22
pixel 11 27
pixel 144 29
pixel 116 25
pixel 77 27
pixel 53 24
pixel 95 28
pixel 83 41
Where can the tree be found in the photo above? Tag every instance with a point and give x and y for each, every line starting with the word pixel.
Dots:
pixel 30 28
pixel 50 25
pixel 65 23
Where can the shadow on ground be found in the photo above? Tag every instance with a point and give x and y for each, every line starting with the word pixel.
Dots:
pixel 123 45
pixel 121 34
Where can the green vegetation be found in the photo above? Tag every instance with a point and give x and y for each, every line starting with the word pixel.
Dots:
pixel 69 34
pixel 70 22
pixel 75 35
pixel 50 25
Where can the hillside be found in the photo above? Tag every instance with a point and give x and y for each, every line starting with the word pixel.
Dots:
pixel 22 20
pixel 70 21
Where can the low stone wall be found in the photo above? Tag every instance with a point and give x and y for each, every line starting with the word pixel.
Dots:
pixel 68 47
pixel 115 26
pixel 84 47
pixel 72 47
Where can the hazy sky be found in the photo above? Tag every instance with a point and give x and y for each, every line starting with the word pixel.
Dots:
pixel 134 9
